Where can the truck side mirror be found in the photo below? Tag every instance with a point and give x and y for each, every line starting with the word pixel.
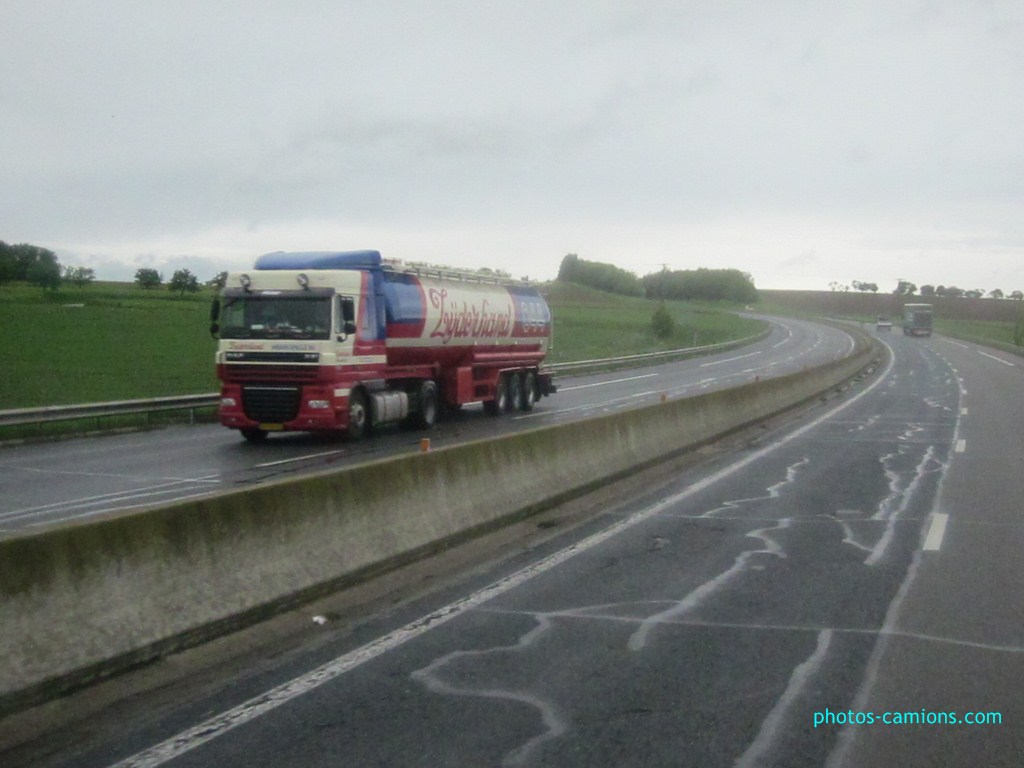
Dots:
pixel 348 317
pixel 214 315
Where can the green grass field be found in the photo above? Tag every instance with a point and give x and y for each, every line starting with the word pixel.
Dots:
pixel 107 341
pixel 116 341
pixel 591 324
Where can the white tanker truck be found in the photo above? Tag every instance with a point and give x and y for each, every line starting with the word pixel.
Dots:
pixel 344 341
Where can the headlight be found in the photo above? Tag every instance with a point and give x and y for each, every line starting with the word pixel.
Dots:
pixel 228 402
pixel 319 403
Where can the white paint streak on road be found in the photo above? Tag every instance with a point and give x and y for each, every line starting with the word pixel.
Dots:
pixel 774 725
pixel 587 614
pixel 961 445
pixel 696 597
pixel 554 725
pixel 891 514
pixel 774 491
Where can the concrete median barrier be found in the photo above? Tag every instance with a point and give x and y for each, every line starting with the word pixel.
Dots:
pixel 84 601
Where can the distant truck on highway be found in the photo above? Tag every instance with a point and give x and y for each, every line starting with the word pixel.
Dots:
pixel 345 341
pixel 917 319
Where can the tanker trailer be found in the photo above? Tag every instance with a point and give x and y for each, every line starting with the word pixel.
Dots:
pixel 345 341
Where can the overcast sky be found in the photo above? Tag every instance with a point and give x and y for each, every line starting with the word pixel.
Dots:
pixel 803 142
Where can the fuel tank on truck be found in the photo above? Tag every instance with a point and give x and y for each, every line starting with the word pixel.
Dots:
pixel 433 315
pixel 459 321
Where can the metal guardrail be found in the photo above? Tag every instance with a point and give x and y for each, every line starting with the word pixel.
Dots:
pixel 651 357
pixel 53 413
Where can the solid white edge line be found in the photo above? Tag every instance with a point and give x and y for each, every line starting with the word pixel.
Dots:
pixel 997 359
pixel 604 383
pixel 210 729
pixel 296 458
pixel 730 359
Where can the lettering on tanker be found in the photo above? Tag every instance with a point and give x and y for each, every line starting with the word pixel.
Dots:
pixel 463 320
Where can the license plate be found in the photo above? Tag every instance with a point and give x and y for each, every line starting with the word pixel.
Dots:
pixel 272 427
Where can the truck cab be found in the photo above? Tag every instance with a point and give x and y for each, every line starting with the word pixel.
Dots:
pixel 283 337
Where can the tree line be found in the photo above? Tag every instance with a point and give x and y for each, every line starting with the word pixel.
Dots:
pixel 683 285
pixel 907 288
pixel 40 266
pixel 30 264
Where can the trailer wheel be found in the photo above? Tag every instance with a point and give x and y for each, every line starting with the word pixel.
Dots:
pixel 530 394
pixel 515 393
pixel 499 404
pixel 426 417
pixel 358 416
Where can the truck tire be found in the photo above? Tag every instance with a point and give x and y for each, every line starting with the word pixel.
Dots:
pixel 358 416
pixel 497 406
pixel 515 393
pixel 529 391
pixel 426 416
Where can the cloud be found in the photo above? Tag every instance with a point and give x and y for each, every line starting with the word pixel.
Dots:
pixel 732 134
pixel 805 259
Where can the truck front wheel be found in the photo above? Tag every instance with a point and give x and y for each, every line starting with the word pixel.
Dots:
pixel 358 416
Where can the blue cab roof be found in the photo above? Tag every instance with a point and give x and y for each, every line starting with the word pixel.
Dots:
pixel 320 260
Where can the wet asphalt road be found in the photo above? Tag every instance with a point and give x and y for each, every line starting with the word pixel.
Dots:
pixel 862 561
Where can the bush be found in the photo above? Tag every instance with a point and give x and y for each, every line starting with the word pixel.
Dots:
pixel 662 324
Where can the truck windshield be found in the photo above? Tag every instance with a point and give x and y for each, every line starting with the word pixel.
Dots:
pixel 276 317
